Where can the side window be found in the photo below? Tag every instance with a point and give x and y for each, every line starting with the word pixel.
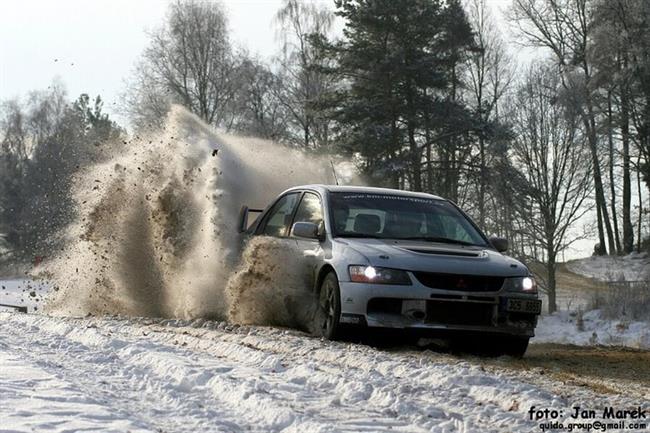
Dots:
pixel 280 215
pixel 310 210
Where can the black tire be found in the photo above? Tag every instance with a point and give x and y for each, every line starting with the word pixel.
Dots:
pixel 327 318
pixel 490 345
pixel 512 346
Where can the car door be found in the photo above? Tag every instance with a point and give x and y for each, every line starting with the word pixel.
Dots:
pixel 310 210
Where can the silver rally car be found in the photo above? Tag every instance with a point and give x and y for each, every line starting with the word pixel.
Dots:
pixel 384 258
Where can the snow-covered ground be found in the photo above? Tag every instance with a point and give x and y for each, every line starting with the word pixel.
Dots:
pixel 633 267
pixel 140 375
pixel 151 375
pixel 562 328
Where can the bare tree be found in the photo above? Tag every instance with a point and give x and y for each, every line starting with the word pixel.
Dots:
pixel 145 101
pixel 14 157
pixel 300 69
pixel 258 109
pixel 14 131
pixel 553 156
pixel 565 27
pixel 189 61
pixel 623 59
pixel 489 76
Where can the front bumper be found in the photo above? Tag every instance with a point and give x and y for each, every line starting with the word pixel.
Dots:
pixel 419 307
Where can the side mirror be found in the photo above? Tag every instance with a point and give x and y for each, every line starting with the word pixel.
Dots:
pixel 305 230
pixel 499 244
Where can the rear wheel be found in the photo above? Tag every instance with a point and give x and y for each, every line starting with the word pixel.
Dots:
pixel 326 320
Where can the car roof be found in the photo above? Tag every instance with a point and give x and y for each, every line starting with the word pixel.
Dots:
pixel 365 189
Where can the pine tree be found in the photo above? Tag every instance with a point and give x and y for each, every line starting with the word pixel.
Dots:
pixel 398 64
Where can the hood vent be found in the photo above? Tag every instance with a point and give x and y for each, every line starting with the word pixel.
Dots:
pixel 445 252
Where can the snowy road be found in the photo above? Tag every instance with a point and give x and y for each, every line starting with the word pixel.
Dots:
pixel 63 374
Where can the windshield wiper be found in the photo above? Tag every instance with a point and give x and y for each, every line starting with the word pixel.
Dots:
pixel 441 240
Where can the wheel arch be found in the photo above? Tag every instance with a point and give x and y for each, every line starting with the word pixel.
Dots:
pixel 322 273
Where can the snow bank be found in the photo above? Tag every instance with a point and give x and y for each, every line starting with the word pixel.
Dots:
pixel 633 267
pixel 562 328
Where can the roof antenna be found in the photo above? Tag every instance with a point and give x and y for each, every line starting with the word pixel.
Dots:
pixel 334 172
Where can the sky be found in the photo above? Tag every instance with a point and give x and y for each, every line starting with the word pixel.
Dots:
pixel 92 46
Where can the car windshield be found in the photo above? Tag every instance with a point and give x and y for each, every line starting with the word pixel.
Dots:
pixel 366 215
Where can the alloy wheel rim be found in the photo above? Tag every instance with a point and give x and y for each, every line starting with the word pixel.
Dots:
pixel 327 305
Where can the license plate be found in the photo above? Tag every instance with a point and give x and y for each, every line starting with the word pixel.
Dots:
pixel 531 306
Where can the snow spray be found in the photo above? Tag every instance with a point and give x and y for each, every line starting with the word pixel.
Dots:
pixel 156 232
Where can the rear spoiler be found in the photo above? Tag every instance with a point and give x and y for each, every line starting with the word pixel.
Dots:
pixel 243 217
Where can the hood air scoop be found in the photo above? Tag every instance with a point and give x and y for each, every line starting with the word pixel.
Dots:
pixel 443 252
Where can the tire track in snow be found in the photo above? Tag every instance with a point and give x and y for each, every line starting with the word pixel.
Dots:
pixel 415 373
pixel 129 393
pixel 33 399
pixel 249 393
pixel 380 408
pixel 511 390
pixel 269 379
pixel 386 392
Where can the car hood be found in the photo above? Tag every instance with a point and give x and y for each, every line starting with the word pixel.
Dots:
pixel 435 257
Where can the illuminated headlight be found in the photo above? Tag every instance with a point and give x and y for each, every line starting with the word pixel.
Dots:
pixel 371 274
pixel 521 284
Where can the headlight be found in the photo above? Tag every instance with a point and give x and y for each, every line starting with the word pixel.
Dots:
pixel 370 274
pixel 521 284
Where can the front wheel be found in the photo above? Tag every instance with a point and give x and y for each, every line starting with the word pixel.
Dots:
pixel 326 320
